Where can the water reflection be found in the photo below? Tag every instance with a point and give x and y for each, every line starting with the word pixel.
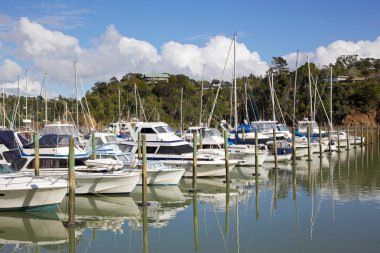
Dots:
pixel 164 203
pixel 329 204
pixel 106 213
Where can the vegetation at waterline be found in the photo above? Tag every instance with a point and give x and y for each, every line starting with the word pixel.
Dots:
pixel 357 90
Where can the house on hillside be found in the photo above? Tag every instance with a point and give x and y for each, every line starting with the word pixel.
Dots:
pixel 154 78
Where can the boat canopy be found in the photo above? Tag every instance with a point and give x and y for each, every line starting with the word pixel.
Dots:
pixel 52 141
pixel 60 129
pixel 263 125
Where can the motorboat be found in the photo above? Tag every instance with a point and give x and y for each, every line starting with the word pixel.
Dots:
pixel 213 142
pixel 157 172
pixel 162 144
pixel 19 191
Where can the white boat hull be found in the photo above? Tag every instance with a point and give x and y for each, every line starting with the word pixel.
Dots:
pixel 205 168
pixel 118 182
pixel 27 192
pixel 168 176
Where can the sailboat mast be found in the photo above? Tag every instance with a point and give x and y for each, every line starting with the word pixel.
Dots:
pixel 272 95
pixel 181 110
pixel 119 107
pixel 235 96
pixel 246 102
pixel 4 115
pixel 136 101
pixel 46 117
pixel 26 95
pixel 331 109
pixel 200 111
pixel 294 93
pixel 310 93
pixel 76 93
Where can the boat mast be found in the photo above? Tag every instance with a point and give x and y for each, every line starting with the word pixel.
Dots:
pixel 46 117
pixel 246 102
pixel 136 101
pixel 235 96
pixel 200 112
pixel 294 93
pixel 119 107
pixel 76 93
pixel 181 111
pixel 310 93
pixel 272 94
pixel 26 95
pixel 4 114
pixel 331 109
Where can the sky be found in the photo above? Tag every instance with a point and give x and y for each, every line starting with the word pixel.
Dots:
pixel 41 40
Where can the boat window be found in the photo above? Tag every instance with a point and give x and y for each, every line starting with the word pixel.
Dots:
pixel 111 138
pixel 6 169
pixel 176 150
pixel 109 157
pixel 160 129
pixel 151 150
pixel 147 130
pixel 122 158
pixel 54 163
pixel 282 128
pixel 168 129
pixel 98 141
pixel 129 157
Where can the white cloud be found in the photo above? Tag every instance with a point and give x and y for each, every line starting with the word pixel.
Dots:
pixel 115 55
pixel 44 50
pixel 325 55
pixel 9 70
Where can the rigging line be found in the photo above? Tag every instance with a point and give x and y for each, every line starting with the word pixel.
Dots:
pixel 219 87
pixel 324 109
pixel 279 107
pixel 85 99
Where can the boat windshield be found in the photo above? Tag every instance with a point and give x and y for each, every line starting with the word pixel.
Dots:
pixel 212 132
pixel 282 127
pixel 122 158
pixel 164 129
pixel 6 169
pixel 304 124
pixel 263 126
pixel 111 138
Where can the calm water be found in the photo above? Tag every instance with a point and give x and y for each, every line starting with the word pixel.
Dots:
pixel 328 205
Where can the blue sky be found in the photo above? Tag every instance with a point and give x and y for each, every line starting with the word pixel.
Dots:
pixel 264 28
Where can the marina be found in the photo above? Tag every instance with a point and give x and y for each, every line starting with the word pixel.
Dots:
pixel 189 126
pixel 306 207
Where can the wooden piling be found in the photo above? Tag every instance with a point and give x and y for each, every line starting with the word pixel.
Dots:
pixel 226 160
pixel 355 137
pixel 139 146
pixel 348 137
pixel 195 165
pixel 71 168
pixel 367 136
pixel 275 149
pixel 337 133
pixel 372 140
pixel 308 144
pixel 362 135
pixel 36 154
pixel 144 173
pixel 329 133
pixel 200 139
pixel 256 153
pixel 294 154
pixel 320 143
pixel 93 145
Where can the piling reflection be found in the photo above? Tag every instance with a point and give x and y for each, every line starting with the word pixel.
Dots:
pixel 165 202
pixel 195 222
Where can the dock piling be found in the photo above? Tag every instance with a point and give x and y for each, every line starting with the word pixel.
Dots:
pixel 36 154
pixel 227 160
pixel 275 149
pixel 71 221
